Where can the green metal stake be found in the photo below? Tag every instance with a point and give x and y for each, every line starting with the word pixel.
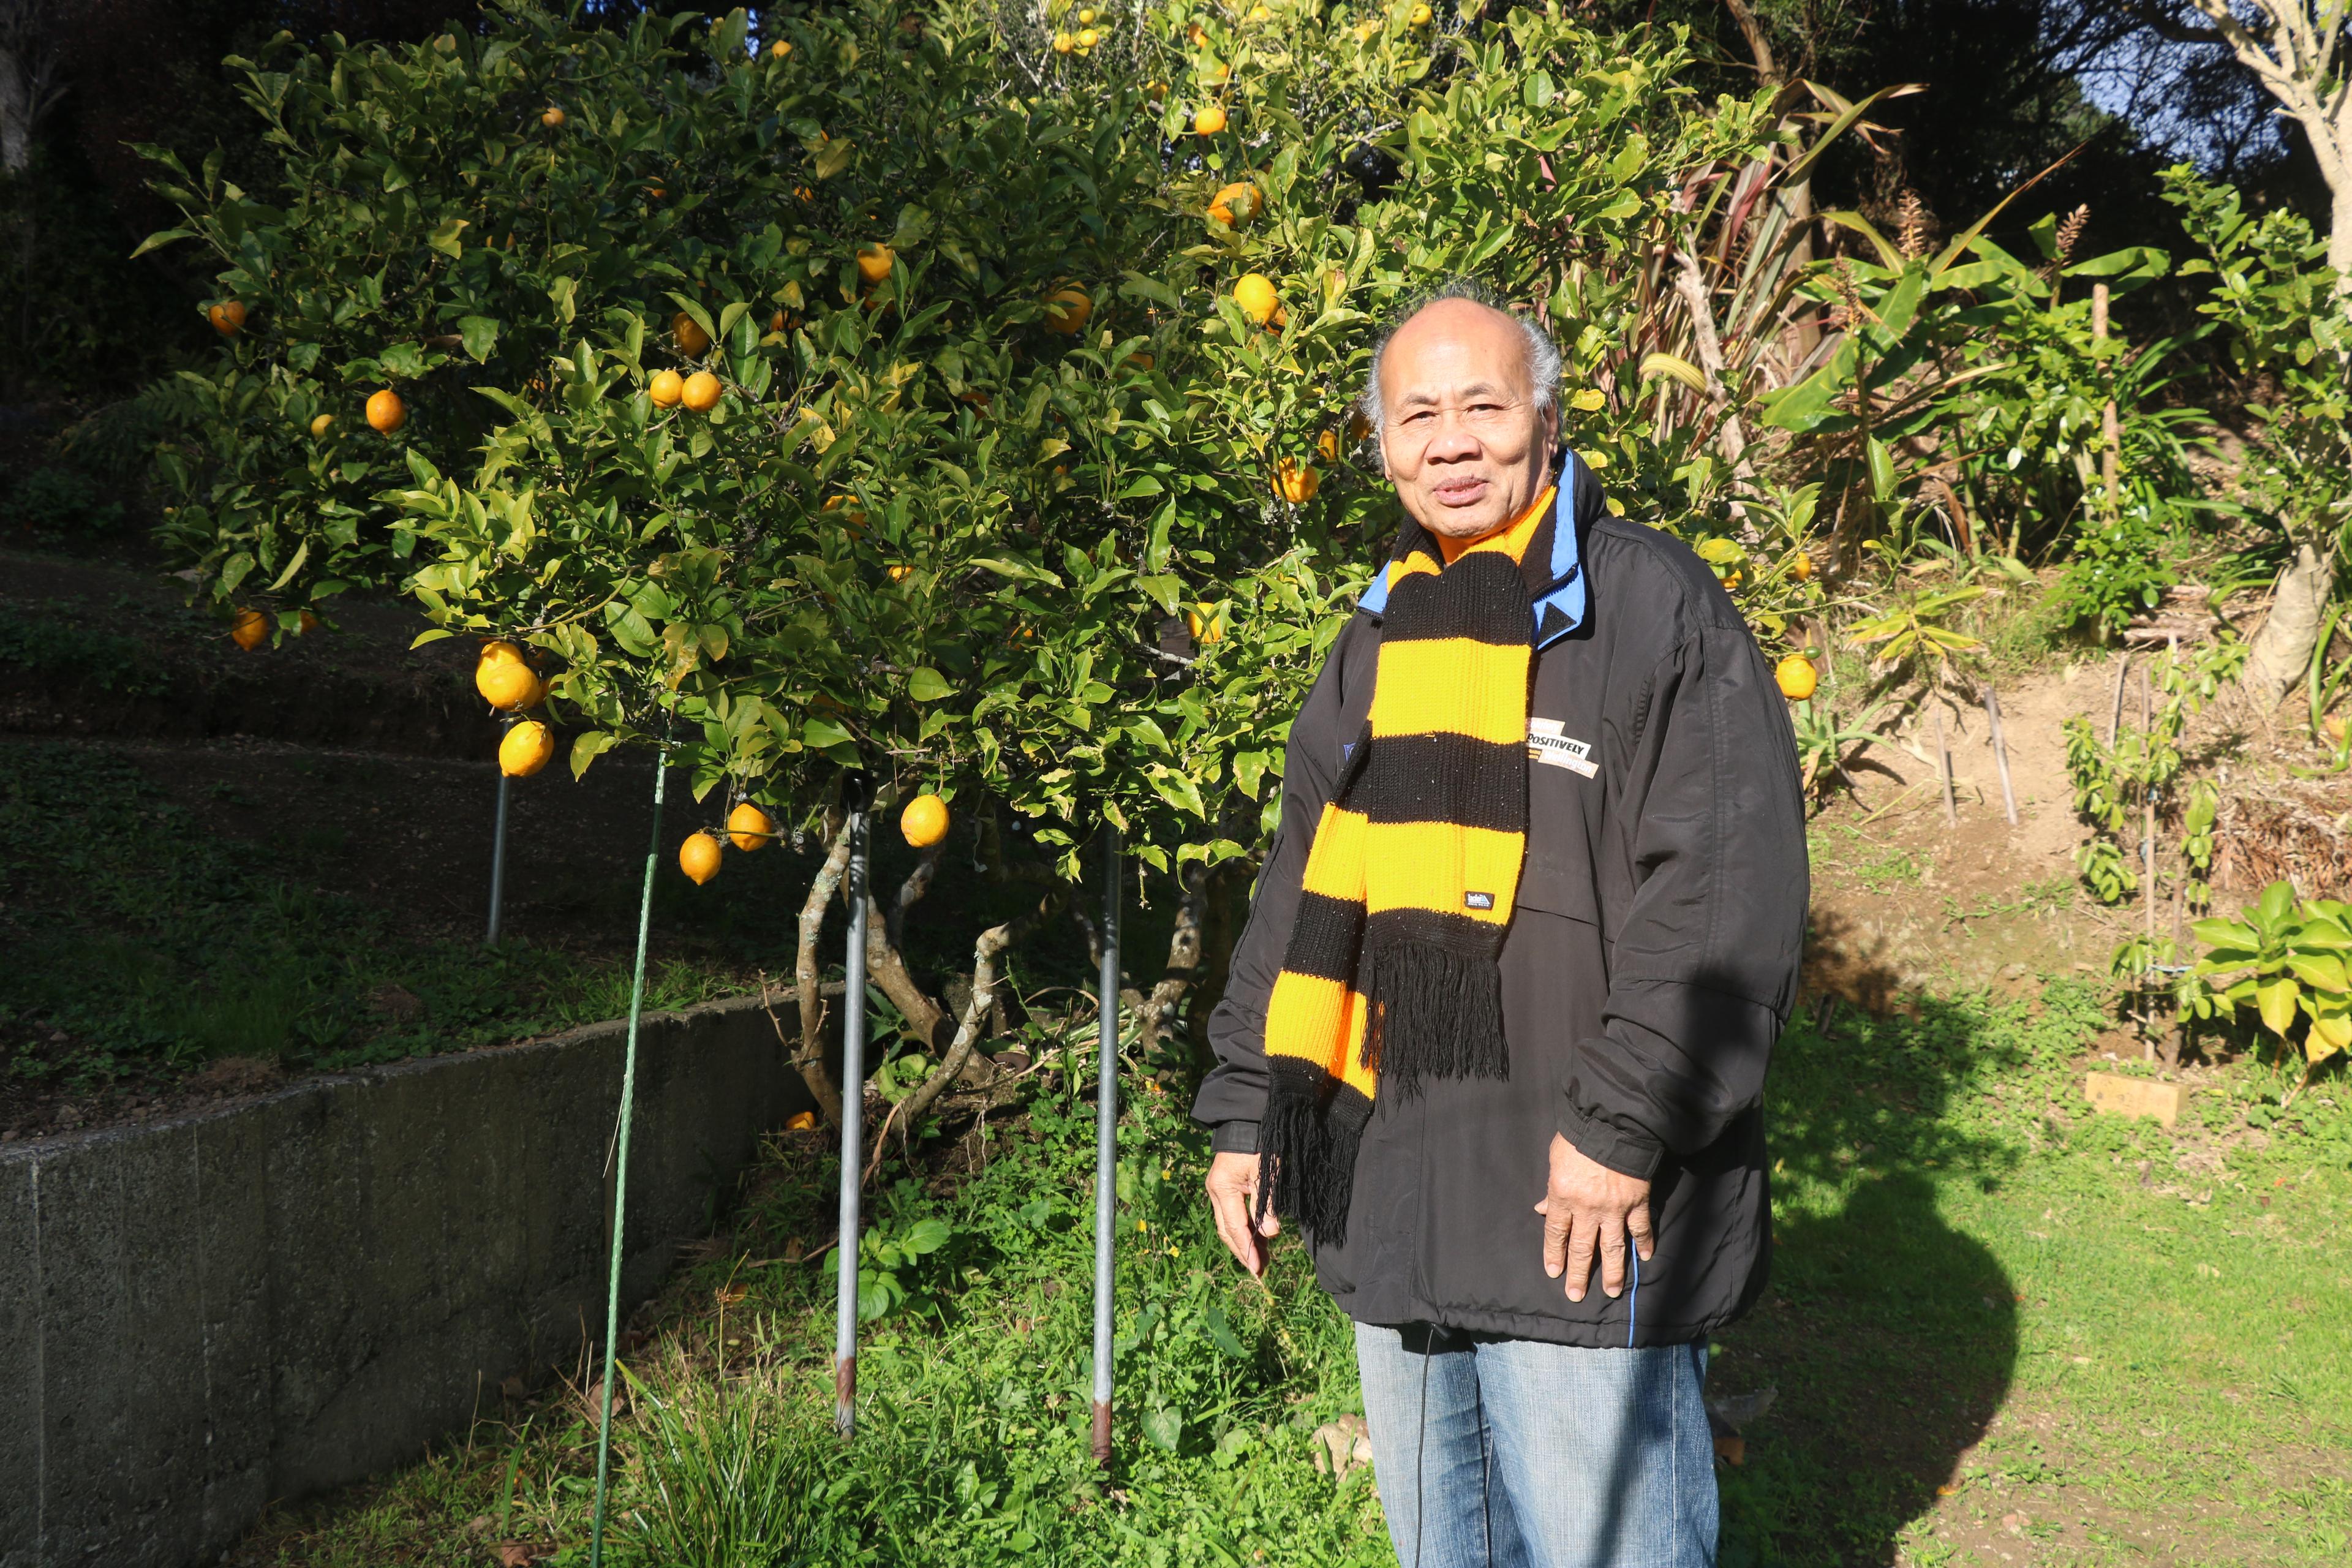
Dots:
pixel 621 1172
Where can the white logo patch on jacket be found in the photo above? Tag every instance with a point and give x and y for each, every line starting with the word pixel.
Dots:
pixel 1547 743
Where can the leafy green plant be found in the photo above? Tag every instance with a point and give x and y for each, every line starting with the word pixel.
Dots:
pixel 2286 959
pixel 890 1266
pixel 2115 782
pixel 1823 740
pixel 1913 635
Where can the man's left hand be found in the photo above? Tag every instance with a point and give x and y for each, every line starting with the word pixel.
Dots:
pixel 1590 1208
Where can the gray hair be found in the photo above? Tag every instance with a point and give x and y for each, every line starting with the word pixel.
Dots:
pixel 1543 355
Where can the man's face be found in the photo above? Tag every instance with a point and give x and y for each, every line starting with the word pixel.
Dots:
pixel 1464 442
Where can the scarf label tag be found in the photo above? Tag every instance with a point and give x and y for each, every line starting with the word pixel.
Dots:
pixel 1547 743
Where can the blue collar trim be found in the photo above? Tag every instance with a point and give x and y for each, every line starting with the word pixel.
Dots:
pixel 1562 605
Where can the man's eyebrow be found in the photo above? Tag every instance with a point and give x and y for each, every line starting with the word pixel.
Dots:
pixel 1476 389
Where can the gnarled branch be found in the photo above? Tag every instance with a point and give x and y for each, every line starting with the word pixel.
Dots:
pixel 984 954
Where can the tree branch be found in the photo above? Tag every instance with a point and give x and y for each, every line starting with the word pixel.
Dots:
pixel 809 1061
pixel 984 954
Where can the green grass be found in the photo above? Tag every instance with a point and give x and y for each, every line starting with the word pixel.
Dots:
pixel 1977 1287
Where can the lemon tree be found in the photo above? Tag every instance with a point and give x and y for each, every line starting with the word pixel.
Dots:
pixel 913 395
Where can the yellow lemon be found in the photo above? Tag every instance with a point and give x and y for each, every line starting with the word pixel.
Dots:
pixel 925 821
pixel 690 335
pixel 504 678
pixel 700 391
pixel 249 629
pixel 1063 43
pixel 385 412
pixel 1209 119
pixel 873 262
pixel 699 858
pixel 1295 481
pixel 552 116
pixel 1207 626
pixel 665 388
pixel 321 425
pixel 780 49
pixel 1067 308
pixel 1088 38
pixel 529 747
pixel 1801 566
pixel 1418 16
pixel 1236 204
pixel 748 827
pixel 1796 677
pixel 1255 294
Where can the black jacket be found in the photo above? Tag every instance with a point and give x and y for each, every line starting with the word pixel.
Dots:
pixel 1650 963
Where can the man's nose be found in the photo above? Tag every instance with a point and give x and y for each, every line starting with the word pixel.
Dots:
pixel 1454 445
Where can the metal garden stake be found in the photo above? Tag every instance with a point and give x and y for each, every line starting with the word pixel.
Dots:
pixel 1107 1144
pixel 499 861
pixel 620 1163
pixel 852 1125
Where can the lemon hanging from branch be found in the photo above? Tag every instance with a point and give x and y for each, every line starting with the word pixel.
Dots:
pixel 925 821
pixel 528 747
pixel 699 858
pixel 749 828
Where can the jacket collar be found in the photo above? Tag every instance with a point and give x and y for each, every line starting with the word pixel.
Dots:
pixel 1554 563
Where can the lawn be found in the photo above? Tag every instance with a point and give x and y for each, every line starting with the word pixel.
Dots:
pixel 2001 1329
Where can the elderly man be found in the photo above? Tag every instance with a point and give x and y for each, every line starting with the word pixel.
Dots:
pixel 1525 937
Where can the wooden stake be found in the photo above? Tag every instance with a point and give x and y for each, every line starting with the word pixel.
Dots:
pixel 2115 719
pixel 1944 768
pixel 1999 752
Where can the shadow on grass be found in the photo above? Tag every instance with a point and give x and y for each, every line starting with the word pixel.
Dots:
pixel 1891 1336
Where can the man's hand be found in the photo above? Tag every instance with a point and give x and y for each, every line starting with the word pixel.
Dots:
pixel 1233 1192
pixel 1588 1207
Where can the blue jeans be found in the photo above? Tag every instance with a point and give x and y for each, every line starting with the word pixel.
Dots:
pixel 1497 1453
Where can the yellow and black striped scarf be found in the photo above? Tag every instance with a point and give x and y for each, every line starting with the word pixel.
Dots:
pixel 1390 973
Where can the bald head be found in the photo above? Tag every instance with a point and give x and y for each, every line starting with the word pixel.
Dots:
pixel 1463 400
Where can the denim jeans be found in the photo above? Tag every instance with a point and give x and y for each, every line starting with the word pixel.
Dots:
pixel 1499 1453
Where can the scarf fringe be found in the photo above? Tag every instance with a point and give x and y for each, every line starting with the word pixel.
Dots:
pixel 1306 1161
pixel 1434 1014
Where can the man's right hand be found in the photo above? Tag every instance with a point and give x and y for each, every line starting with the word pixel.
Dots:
pixel 1233 1192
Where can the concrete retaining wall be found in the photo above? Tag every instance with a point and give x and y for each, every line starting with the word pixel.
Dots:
pixel 201 1315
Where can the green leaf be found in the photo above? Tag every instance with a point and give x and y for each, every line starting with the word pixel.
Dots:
pixel 1221 1332
pixel 927 685
pixel 587 746
pixel 2276 1000
pixel 1659 362
pixel 301 554
pixel 1164 1427
pixel 160 238
pixel 479 334
pixel 444 236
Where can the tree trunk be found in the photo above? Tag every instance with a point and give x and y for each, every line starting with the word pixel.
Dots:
pixel 2339 237
pixel 1730 434
pixel 1159 1010
pixel 926 1019
pixel 809 1061
pixel 2282 647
